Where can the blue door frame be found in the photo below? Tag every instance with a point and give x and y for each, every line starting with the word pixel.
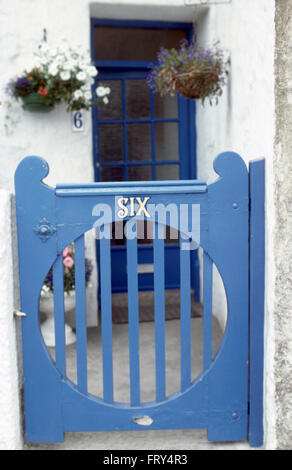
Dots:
pixel 226 398
pixel 125 70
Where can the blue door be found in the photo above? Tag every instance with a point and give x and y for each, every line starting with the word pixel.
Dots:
pixel 140 136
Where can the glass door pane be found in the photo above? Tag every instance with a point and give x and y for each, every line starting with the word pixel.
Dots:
pixel 165 107
pixel 111 146
pixel 133 44
pixel 114 108
pixel 139 173
pixel 112 173
pixel 137 99
pixel 167 172
pixel 166 141
pixel 139 142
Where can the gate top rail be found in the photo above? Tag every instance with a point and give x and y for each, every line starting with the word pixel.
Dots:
pixel 149 187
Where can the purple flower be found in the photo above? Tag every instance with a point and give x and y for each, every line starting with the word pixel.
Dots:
pixel 20 86
pixel 22 82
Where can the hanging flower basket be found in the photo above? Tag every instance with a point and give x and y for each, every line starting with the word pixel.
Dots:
pixel 35 103
pixel 192 71
pixel 194 85
pixel 59 75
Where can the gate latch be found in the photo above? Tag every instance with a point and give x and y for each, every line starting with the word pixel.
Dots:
pixel 17 313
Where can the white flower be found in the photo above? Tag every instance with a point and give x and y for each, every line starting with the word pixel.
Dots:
pixel 105 100
pixel 74 62
pixel 68 65
pixel 53 70
pixel 87 95
pixel 100 91
pixel 85 89
pixel 82 65
pixel 65 75
pixel 81 76
pixel 92 71
pixel 78 94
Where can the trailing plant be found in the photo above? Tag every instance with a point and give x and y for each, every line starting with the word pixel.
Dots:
pixel 193 71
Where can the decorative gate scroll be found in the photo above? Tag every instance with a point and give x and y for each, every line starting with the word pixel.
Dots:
pixel 49 219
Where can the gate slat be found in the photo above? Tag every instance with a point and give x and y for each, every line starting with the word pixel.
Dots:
pixel 81 337
pixel 59 314
pixel 106 316
pixel 207 318
pixel 159 309
pixel 185 315
pixel 133 311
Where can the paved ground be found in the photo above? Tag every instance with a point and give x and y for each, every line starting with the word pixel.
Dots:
pixel 144 439
pixel 140 440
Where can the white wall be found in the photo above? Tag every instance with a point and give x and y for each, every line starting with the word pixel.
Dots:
pixel 10 426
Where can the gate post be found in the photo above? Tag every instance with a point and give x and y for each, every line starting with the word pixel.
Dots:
pixel 37 249
pixel 257 300
pixel 229 249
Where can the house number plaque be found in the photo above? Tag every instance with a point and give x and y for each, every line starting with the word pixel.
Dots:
pixel 132 206
pixel 78 121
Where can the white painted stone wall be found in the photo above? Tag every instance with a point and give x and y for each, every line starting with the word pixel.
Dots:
pixel 283 225
pixel 242 122
pixel 10 424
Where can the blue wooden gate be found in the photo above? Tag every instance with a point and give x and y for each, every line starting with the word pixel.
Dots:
pixel 226 398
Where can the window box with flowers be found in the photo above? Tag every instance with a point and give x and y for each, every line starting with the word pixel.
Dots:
pixel 59 75
pixel 191 70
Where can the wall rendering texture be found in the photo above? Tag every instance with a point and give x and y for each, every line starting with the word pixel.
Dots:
pixel 10 429
pixel 283 225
